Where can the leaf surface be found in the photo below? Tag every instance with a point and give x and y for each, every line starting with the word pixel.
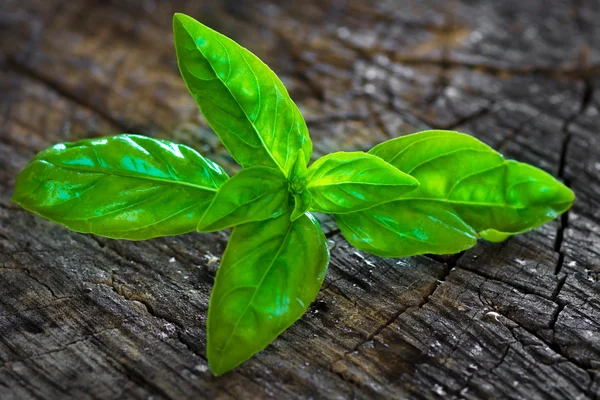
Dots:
pixel 345 182
pixel 253 194
pixel 242 99
pixel 466 190
pixel 302 203
pixel 297 187
pixel 270 273
pixel 125 186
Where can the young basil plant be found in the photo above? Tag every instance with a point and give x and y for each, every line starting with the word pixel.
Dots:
pixel 430 192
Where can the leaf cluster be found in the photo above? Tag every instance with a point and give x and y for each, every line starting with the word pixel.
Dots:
pixel 429 192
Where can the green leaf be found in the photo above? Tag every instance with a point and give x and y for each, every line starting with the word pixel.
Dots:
pixel 125 186
pixel 467 189
pixel 297 186
pixel 253 194
pixel 302 203
pixel 492 235
pixel 270 273
pixel 241 98
pixel 345 182
pixel 299 174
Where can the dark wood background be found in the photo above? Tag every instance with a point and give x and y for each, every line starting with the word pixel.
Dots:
pixel 85 317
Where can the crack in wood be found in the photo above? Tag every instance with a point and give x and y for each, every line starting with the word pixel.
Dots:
pixel 152 311
pixel 450 264
pixel 586 98
pixel 179 329
pixel 463 389
pixel 561 284
pixel 503 279
pixel 62 348
pixel 29 274
pixel 559 309
pixel 552 346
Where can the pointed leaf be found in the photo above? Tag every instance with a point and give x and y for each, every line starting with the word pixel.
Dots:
pixel 467 189
pixel 270 273
pixel 299 173
pixel 240 97
pixel 253 194
pixel 302 203
pixel 345 182
pixel 297 187
pixel 492 235
pixel 125 186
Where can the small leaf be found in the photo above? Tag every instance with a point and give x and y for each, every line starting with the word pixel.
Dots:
pixel 492 235
pixel 124 187
pixel 253 194
pixel 299 173
pixel 297 187
pixel 241 98
pixel 345 182
pixel 467 189
pixel 270 273
pixel 301 204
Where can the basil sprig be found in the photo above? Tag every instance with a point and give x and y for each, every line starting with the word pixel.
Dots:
pixel 430 192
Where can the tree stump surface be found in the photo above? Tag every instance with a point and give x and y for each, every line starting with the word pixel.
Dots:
pixel 84 317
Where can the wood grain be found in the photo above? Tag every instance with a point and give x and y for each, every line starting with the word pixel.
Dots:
pixel 85 317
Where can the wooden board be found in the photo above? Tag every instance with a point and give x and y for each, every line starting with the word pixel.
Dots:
pixel 85 317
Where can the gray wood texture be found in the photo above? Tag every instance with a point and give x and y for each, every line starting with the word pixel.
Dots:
pixel 84 317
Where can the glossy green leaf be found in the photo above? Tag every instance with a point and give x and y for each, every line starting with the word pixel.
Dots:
pixel 125 186
pixel 302 203
pixel 297 186
pixel 298 177
pixel 253 194
pixel 492 235
pixel 270 273
pixel 240 97
pixel 345 182
pixel 466 189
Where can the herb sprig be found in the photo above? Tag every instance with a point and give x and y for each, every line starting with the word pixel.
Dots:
pixel 429 192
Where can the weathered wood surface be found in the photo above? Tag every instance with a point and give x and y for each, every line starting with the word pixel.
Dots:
pixel 84 317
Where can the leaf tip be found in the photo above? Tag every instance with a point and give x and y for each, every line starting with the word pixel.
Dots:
pixel 182 20
pixel 494 236
pixel 206 225
pixel 215 371
pixel 19 195
pixel 221 363
pixel 568 195
pixel 180 17
pixel 414 182
pixel 410 181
